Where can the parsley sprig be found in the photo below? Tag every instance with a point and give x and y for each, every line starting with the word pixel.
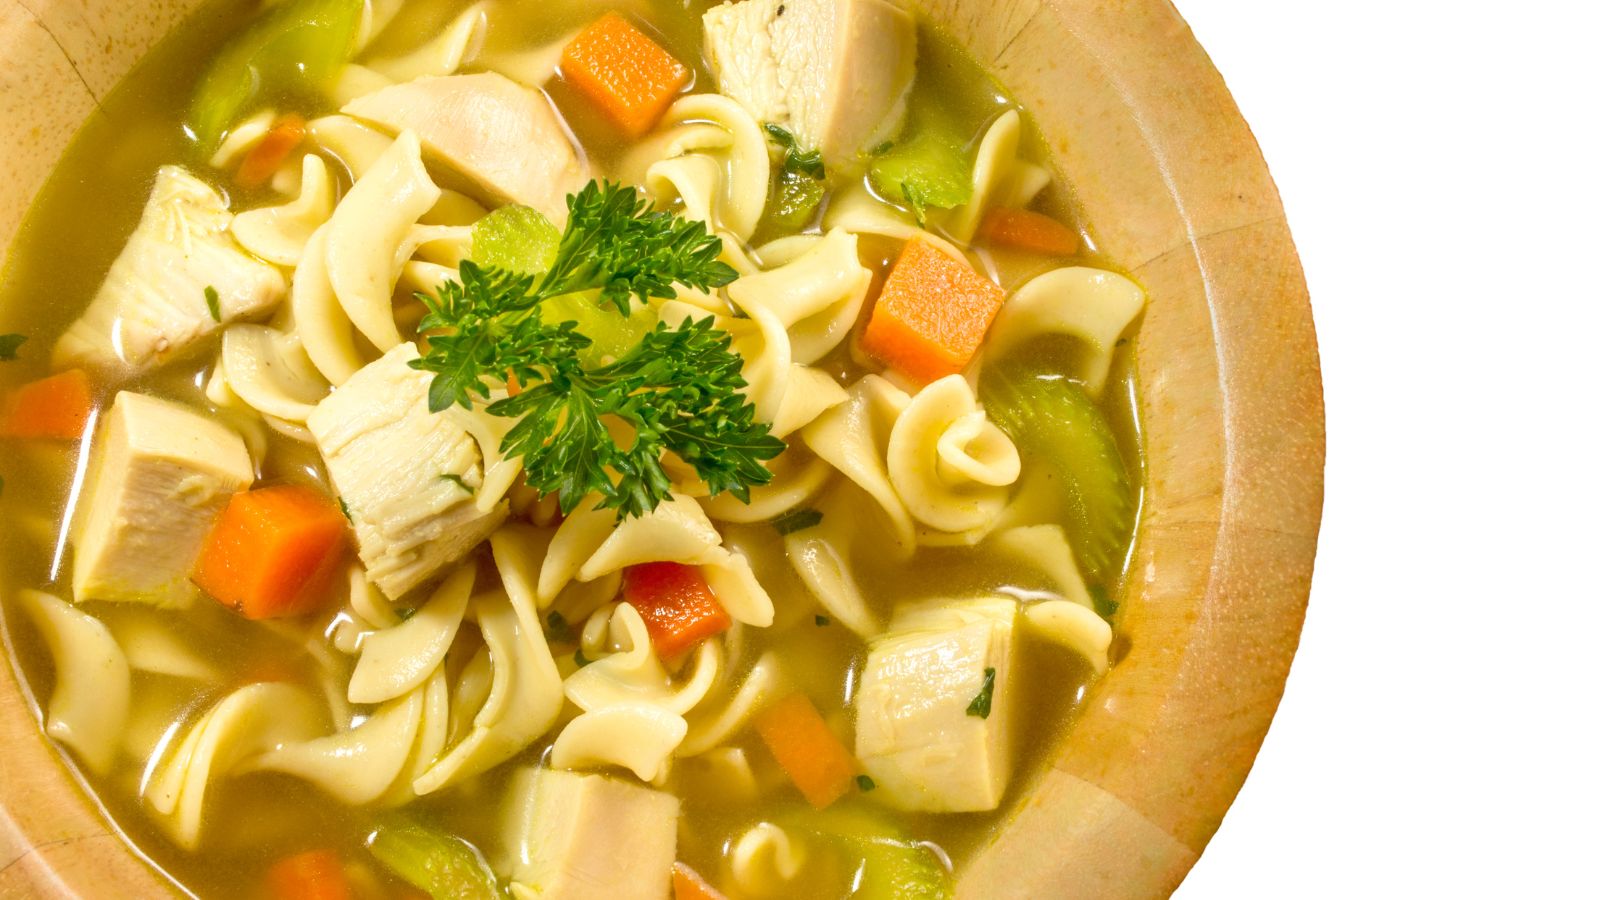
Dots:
pixel 677 390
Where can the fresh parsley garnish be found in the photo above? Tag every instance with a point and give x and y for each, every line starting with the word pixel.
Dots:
pixel 980 704
pixel 677 389
pixel 865 783
pixel 459 482
pixel 10 344
pixel 796 520
pixel 213 303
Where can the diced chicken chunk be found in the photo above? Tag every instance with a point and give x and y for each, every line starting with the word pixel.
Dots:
pixel 160 477
pixel 580 836
pixel 836 73
pixel 153 305
pixel 403 473
pixel 501 136
pixel 919 733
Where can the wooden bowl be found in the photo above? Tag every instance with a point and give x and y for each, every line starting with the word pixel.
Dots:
pixel 1166 171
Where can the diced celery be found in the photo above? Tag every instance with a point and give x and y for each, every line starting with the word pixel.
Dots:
pixel 929 168
pixel 794 202
pixel 521 239
pixel 1053 420
pixel 296 47
pixel 441 865
pixel 518 238
pixel 891 865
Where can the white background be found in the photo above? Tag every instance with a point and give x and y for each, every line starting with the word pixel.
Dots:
pixel 1438 163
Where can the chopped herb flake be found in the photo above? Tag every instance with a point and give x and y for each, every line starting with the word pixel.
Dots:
pixel 556 624
pixel 808 162
pixel 345 508
pixel 9 344
pixel 213 303
pixel 1104 604
pixel 459 482
pixel 823 621
pixel 865 783
pixel 579 659
pixel 980 704
pixel 796 520
pixel 406 612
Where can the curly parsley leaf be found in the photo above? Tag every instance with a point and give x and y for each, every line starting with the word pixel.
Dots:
pixel 617 244
pixel 677 390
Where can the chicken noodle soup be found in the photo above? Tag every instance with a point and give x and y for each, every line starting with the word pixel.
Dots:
pixel 561 450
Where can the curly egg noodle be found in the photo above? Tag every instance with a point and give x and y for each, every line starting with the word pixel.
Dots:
pixel 910 569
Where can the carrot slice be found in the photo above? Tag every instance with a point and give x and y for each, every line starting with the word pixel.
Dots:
pixel 57 407
pixel 630 77
pixel 676 604
pixel 273 552
pixel 312 875
pixel 814 758
pixel 932 313
pixel 270 152
pixel 1023 229
pixel 688 885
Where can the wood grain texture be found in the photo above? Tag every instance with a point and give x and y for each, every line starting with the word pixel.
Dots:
pixel 1146 137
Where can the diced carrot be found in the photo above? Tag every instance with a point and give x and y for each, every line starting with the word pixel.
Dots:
pixel 312 875
pixel 273 552
pixel 56 407
pixel 676 604
pixel 814 758
pixel 688 885
pixel 932 313
pixel 630 77
pixel 1023 229
pixel 269 153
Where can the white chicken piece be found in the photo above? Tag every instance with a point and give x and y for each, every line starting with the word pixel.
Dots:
pixel 407 477
pixel 574 836
pixel 160 477
pixel 504 138
pixel 156 302
pixel 835 73
pixel 920 731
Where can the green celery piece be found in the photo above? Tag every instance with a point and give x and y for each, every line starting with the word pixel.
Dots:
pixel 296 47
pixel 521 239
pixel 795 199
pixel 1054 420
pixel 930 168
pixel 441 865
pixel 893 867
pixel 518 238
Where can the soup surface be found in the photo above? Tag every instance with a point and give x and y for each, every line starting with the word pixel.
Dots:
pixel 561 449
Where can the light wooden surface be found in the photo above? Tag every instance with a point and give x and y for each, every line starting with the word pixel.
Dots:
pixel 1163 166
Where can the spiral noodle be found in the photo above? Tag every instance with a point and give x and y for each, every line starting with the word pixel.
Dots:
pixel 1000 177
pixel 948 463
pixel 766 861
pixel 709 155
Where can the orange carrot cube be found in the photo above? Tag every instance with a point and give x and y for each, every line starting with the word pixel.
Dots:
pixel 56 408
pixel 932 314
pixel 1029 231
pixel 273 552
pixel 676 604
pixel 687 884
pixel 630 77
pixel 809 752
